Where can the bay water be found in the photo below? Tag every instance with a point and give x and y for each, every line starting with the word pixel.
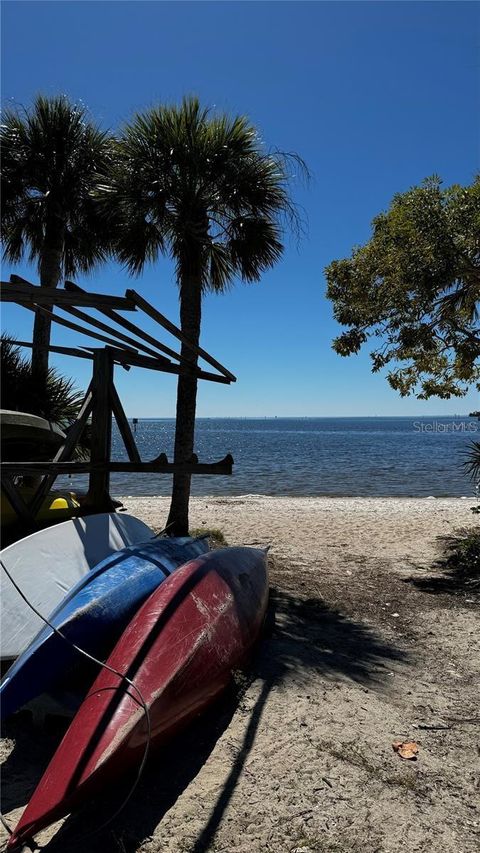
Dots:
pixel 381 456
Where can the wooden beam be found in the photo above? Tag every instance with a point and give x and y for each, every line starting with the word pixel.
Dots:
pixel 76 328
pixel 119 335
pixel 65 452
pixel 124 426
pixel 158 466
pixel 130 327
pixel 134 299
pixel 83 352
pixel 78 426
pixel 145 306
pixel 17 503
pixel 21 291
pixel 139 360
pixel 92 350
pixel 77 353
pixel 126 356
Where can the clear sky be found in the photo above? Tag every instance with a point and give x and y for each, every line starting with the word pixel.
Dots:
pixel 374 96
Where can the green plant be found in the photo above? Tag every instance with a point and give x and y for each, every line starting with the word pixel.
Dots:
pixel 472 467
pixel 216 537
pixel 57 400
pixel 462 557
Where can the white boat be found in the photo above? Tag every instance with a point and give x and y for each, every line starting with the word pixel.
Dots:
pixel 48 563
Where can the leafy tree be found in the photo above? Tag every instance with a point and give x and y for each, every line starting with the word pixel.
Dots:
pixel 50 158
pixel 415 286
pixel 201 189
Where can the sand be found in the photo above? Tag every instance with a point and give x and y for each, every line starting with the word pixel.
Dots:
pixel 298 756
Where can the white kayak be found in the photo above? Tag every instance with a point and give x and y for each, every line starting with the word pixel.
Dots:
pixel 48 563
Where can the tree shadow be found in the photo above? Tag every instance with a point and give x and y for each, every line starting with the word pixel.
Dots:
pixel 309 640
pixel 312 638
pixel 458 570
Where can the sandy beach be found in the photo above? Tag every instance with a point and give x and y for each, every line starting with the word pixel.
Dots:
pixel 366 648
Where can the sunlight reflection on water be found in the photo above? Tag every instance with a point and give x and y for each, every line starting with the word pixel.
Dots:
pixel 317 456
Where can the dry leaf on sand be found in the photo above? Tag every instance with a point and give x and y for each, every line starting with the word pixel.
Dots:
pixel 406 749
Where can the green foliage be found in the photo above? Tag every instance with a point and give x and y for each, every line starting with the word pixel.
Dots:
pixel 216 537
pixel 51 157
pixel 472 463
pixel 59 401
pixel 462 557
pixel 415 286
pixel 472 467
pixel 459 566
pixel 186 182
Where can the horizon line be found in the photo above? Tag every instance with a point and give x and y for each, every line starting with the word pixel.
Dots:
pixel 296 417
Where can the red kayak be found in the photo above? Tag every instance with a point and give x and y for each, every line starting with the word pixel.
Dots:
pixel 179 650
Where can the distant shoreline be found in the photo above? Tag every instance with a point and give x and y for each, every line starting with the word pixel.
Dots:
pixel 312 417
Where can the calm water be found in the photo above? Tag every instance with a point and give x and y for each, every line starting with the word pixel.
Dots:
pixel 312 456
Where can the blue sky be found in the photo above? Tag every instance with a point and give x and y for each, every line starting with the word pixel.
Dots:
pixel 374 96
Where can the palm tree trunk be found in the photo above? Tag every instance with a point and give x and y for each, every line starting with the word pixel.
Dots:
pixel 50 274
pixel 190 319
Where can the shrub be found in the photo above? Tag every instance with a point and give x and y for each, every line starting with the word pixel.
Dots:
pixel 58 401
pixel 462 557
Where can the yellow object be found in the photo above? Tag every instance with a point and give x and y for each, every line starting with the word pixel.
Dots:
pixel 56 506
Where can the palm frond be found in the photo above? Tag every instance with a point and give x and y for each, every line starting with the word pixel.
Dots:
pixel 58 401
pixel 187 182
pixel 52 155
pixel 472 462
pixel 254 246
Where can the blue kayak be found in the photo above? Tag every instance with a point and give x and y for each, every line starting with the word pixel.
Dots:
pixel 93 615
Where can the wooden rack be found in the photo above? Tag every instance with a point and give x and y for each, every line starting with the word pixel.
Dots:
pixel 101 402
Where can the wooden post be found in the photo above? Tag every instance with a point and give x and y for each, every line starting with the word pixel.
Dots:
pixel 65 452
pixel 98 498
pixel 124 426
pixel 17 503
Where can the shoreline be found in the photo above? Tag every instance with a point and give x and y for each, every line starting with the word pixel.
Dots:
pixel 246 495
pixel 321 528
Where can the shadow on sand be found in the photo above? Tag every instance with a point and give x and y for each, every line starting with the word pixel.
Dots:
pixel 458 570
pixel 308 639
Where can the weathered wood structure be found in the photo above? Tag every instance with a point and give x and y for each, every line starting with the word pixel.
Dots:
pixel 101 402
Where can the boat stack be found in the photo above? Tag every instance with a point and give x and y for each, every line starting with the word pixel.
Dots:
pixel 141 633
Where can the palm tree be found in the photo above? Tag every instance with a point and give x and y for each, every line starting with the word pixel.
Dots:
pixel 201 189
pixel 51 155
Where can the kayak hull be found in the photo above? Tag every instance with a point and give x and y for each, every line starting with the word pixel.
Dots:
pixel 92 616
pixel 179 651
pixel 48 563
